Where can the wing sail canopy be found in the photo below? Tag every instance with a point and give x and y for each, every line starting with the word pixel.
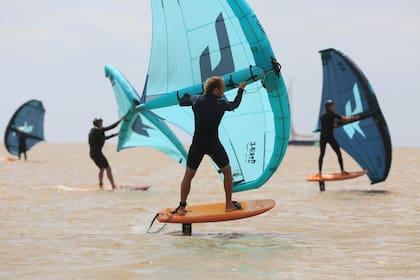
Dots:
pixel 193 40
pixel 141 128
pixel 29 119
pixel 368 140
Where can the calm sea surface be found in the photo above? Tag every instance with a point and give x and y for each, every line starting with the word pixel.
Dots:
pixel 51 227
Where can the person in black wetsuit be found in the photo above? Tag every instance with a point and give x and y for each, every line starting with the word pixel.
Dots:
pixel 327 122
pixel 22 143
pixel 22 137
pixel 96 142
pixel 209 109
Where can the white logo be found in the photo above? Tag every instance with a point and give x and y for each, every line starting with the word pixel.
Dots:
pixel 351 128
pixel 26 128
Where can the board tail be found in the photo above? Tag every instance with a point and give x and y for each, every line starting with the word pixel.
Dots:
pixel 143 126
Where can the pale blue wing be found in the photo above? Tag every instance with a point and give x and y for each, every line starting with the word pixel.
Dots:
pixel 193 40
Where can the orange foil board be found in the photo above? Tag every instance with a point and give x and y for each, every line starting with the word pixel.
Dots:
pixel 215 212
pixel 335 176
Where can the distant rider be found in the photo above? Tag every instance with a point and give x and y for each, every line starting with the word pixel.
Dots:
pixel 22 143
pixel 22 137
pixel 327 122
pixel 96 142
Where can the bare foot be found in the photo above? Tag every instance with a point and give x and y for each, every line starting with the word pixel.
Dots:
pixel 230 208
pixel 181 211
pixel 344 173
pixel 233 206
pixel 115 188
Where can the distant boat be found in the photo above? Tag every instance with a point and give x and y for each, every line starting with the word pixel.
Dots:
pixel 296 138
pixel 302 139
pixel 366 140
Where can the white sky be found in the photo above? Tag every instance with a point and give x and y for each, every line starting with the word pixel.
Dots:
pixel 55 51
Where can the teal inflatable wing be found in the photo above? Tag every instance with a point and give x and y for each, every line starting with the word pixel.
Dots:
pixel 193 40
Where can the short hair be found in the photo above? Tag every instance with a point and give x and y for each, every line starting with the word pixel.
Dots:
pixel 96 122
pixel 328 104
pixel 212 83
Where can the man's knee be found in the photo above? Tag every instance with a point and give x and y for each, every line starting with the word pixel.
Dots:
pixel 189 173
pixel 227 172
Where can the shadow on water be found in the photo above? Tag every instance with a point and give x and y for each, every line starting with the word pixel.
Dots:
pixel 366 191
pixel 239 240
pixel 207 255
pixel 370 192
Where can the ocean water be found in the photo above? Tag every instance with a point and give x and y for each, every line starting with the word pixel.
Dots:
pixel 53 227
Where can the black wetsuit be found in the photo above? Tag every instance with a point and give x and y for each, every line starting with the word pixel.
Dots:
pixel 22 143
pixel 96 142
pixel 327 136
pixel 208 112
pixel 22 137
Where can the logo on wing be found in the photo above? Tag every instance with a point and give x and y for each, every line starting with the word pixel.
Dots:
pixel 251 148
pixel 26 128
pixel 354 127
pixel 225 64
pixel 139 127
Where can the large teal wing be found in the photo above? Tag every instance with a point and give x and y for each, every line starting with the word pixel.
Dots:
pixel 193 40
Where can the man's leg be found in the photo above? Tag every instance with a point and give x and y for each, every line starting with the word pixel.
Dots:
pixel 110 177
pixel 322 146
pixel 101 177
pixel 228 184
pixel 336 149
pixel 185 189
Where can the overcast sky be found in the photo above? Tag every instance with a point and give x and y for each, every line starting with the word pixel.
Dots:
pixel 55 51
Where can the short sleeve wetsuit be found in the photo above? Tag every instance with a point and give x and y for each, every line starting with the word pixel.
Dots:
pixel 327 121
pixel 208 112
pixel 96 142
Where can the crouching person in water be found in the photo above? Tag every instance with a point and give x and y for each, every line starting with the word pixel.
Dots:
pixel 208 110
pixel 96 142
